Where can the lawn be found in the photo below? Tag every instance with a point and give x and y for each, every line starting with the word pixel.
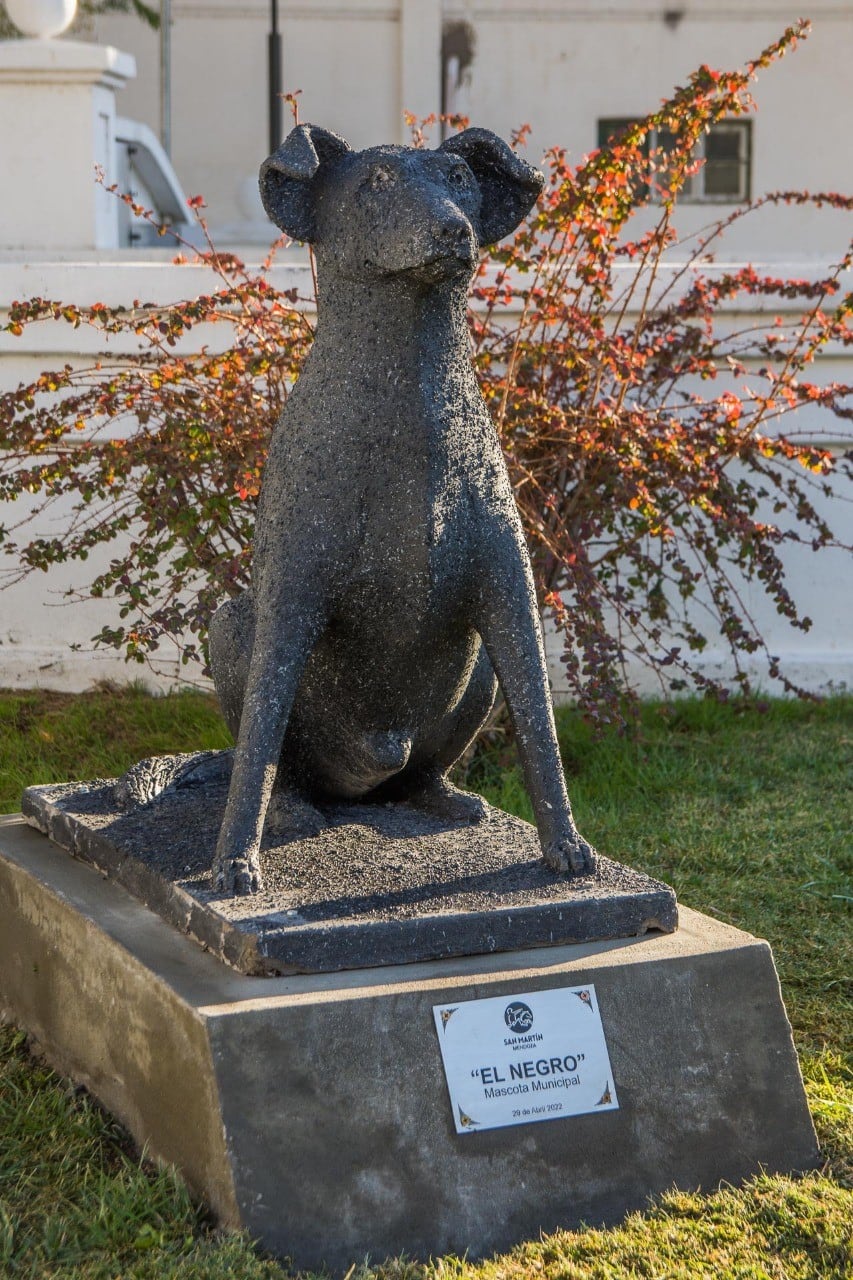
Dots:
pixel 745 812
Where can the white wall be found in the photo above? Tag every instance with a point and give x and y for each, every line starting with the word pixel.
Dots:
pixel 45 635
pixel 344 57
pixel 558 64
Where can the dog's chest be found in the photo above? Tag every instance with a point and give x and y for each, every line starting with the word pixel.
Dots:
pixel 413 536
pixel 412 550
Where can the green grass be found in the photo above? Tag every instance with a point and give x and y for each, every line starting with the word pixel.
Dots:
pixel 57 737
pixel 746 813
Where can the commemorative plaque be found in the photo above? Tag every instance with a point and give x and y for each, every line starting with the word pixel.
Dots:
pixel 518 1059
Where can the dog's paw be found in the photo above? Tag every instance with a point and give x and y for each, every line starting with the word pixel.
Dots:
pixel 239 876
pixel 442 798
pixel 572 856
pixel 291 815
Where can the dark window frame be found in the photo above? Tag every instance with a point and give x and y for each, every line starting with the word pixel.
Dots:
pixel 695 189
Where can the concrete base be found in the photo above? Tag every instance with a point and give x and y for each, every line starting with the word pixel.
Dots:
pixel 313 1109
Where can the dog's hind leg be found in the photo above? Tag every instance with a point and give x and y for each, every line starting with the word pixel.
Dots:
pixel 290 813
pixel 230 641
pixel 230 635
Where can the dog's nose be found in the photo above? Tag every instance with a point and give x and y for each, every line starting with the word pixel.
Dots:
pixel 455 236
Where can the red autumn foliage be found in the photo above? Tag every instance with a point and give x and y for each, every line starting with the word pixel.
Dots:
pixel 641 425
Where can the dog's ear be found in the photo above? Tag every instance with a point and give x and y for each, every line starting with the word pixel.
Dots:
pixel 508 185
pixel 286 178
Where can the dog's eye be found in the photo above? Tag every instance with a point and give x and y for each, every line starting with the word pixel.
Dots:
pixel 381 178
pixel 458 177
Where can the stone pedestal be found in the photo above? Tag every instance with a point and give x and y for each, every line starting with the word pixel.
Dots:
pixel 313 1109
pixel 379 885
pixel 58 107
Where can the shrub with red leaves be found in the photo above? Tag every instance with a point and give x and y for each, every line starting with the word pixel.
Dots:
pixel 648 501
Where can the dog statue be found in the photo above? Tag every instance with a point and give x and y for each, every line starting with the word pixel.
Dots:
pixel 391 585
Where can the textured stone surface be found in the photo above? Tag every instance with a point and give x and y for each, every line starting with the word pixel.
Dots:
pixel 313 1110
pixel 379 884
pixel 391 584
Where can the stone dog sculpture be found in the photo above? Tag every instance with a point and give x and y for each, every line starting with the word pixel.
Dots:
pixel 391 583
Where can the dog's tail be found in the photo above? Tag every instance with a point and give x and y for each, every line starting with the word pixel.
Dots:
pixel 159 775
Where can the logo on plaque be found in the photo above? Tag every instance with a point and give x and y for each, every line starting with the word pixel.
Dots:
pixel 518 1016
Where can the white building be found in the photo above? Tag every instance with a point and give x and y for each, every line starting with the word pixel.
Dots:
pixel 563 66
pixel 570 70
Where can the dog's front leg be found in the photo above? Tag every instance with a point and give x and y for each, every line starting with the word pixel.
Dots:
pixel 511 631
pixel 282 645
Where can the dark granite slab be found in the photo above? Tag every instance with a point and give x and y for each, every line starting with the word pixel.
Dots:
pixel 380 885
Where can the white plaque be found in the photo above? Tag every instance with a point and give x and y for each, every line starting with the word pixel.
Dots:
pixel 517 1059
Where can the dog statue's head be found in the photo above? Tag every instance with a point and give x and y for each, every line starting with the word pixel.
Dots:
pixel 397 211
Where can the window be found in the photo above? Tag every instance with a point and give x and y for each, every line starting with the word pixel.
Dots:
pixel 612 127
pixel 725 175
pixel 727 152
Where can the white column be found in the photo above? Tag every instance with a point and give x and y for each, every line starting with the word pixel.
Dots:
pixel 58 110
pixel 420 59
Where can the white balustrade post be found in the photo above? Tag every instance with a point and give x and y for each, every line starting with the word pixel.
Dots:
pixel 57 123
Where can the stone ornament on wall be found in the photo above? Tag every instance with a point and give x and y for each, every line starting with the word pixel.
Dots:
pixel 42 19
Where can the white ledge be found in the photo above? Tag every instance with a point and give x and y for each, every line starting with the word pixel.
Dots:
pixel 64 62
